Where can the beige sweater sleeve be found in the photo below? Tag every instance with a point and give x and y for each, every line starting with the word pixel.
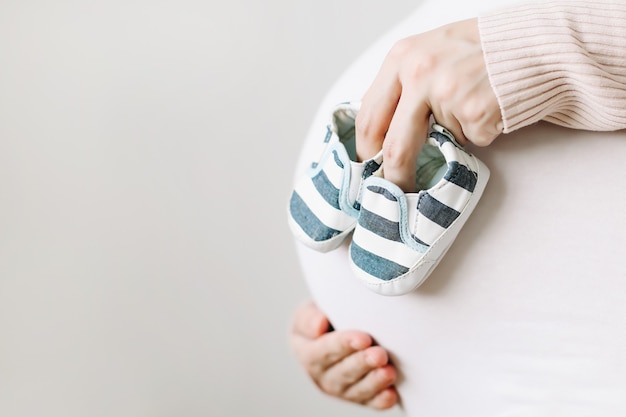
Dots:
pixel 559 61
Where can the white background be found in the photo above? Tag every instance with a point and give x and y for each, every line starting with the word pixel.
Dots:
pixel 146 156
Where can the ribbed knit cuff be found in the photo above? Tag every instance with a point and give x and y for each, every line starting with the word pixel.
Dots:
pixel 559 61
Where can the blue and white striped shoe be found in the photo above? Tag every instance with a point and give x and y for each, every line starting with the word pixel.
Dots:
pixel 324 205
pixel 400 238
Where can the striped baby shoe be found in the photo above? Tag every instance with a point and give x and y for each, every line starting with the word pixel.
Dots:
pixel 324 205
pixel 400 238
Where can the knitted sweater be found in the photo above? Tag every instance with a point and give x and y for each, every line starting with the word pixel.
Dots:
pixel 559 61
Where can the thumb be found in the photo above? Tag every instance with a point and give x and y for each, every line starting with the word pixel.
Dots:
pixel 309 321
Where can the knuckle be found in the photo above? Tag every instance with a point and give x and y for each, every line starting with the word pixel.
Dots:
pixel 413 58
pixel 472 111
pixel 421 66
pixel 444 88
pixel 400 48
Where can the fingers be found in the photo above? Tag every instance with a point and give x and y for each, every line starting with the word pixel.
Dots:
pixel 316 349
pixel 343 363
pixel 377 109
pixel 443 97
pixel 474 106
pixel 332 348
pixel 340 379
pixel 405 138
pixel 480 113
pixel 373 383
pixel 378 391
pixel 319 354
pixel 385 399
pixel 361 378
pixel 441 72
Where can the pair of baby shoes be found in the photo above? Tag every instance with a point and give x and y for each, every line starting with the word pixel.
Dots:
pixel 398 238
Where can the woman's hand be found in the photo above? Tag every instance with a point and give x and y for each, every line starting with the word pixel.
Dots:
pixel 441 72
pixel 343 364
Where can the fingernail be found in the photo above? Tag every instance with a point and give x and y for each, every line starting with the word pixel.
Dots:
pixel 370 360
pixel 382 375
pixel 358 344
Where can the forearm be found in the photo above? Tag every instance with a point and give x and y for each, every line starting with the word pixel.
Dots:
pixel 559 61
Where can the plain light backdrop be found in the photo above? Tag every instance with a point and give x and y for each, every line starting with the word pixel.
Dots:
pixel 146 155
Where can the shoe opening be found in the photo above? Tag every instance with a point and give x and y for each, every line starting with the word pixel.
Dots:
pixel 344 124
pixel 430 167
